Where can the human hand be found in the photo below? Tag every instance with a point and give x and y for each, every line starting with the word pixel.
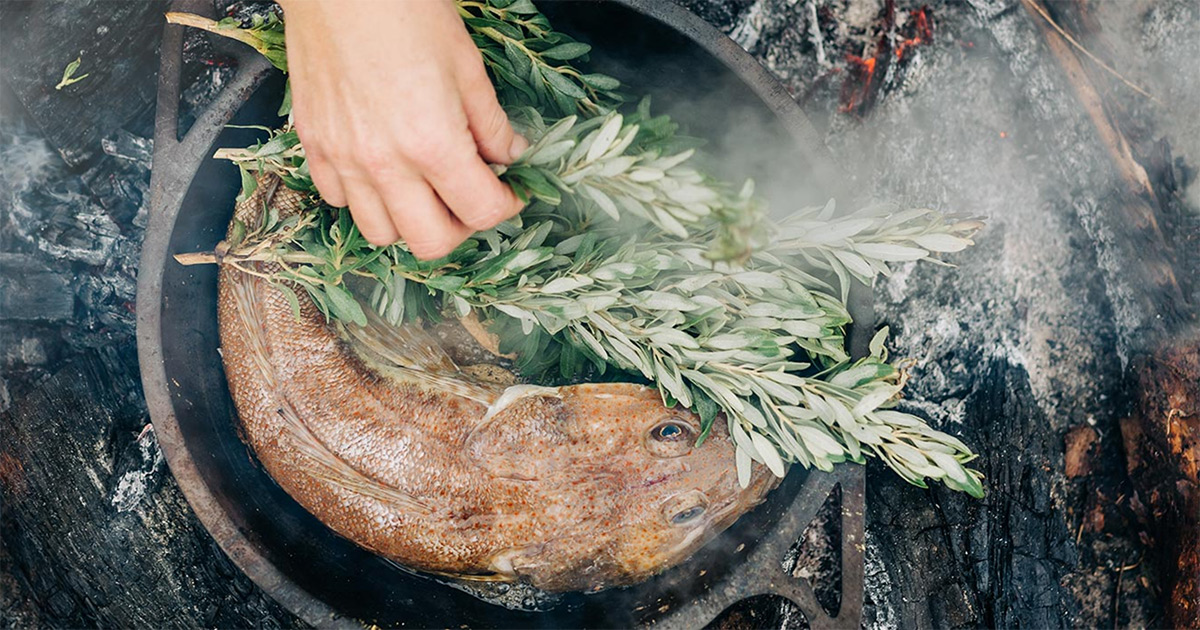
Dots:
pixel 397 116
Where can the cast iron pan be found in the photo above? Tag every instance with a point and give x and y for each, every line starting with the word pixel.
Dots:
pixel 698 75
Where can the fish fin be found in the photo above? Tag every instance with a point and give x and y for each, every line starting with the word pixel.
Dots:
pixel 333 469
pixel 329 467
pixel 473 577
pixel 409 353
pixel 452 576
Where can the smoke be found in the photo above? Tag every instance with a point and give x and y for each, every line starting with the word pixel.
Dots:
pixel 983 122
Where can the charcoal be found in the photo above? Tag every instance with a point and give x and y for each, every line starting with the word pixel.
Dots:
pixel 29 290
pixel 118 47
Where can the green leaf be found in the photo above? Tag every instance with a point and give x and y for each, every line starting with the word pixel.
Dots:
pixel 292 300
pixel 523 7
pixel 568 51
pixel 343 306
pixel 449 284
pixel 249 184
pixel 600 81
pixel 517 57
pixel 68 75
pixel 563 85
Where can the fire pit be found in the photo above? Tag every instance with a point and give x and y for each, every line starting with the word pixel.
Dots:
pixel 1060 346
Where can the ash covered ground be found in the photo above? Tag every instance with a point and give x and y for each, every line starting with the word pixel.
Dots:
pixel 1019 346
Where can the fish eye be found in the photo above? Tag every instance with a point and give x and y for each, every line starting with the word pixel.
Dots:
pixel 688 515
pixel 670 431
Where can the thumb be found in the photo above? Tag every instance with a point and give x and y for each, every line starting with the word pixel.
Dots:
pixel 494 136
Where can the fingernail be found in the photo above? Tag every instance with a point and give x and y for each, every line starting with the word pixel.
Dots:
pixel 518 146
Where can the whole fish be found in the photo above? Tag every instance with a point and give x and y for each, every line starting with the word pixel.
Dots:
pixel 378 433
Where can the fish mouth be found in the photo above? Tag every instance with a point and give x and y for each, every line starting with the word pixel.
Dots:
pixel 745 499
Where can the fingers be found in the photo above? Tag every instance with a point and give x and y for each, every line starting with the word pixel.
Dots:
pixel 325 177
pixel 465 183
pixel 370 215
pixel 494 136
pixel 422 220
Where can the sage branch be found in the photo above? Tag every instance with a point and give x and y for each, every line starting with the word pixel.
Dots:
pixel 628 258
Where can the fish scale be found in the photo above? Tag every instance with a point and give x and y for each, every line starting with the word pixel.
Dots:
pixel 383 438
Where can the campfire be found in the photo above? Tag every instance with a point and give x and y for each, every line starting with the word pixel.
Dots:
pixel 1064 347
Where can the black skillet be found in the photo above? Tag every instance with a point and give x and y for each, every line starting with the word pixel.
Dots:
pixel 693 72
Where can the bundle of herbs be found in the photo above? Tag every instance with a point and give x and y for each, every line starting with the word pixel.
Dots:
pixel 725 310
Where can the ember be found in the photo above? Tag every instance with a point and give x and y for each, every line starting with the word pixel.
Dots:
pixel 867 75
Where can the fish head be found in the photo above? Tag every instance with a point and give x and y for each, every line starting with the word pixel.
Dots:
pixel 669 495
pixel 624 488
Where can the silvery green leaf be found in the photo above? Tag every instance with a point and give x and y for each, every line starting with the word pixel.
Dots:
pixel 828 211
pixel 874 399
pixel 890 251
pixel 821 233
pixel 897 419
pixel 603 138
pixel 752 415
pixel 664 301
pixel 557 131
pixel 727 341
pixel 758 323
pixel 623 141
pixel 551 153
pixel 670 224
pixel 876 346
pixel 565 284
pixel 941 242
pixel 615 270
pixel 868 434
pixel 763 309
pixel 784 378
pixel 672 337
pixel 781 393
pixel 668 162
pixel 852 446
pixel 615 166
pixel 567 51
pixel 743 466
pixel 563 85
pixel 928 446
pixel 603 201
pixel 526 259
pixel 798 413
pixel 461 306
pixel 722 395
pixel 769 453
pixel 741 438
pixel 670 379
pixel 692 193
pixel 852 377
pixel 645 174
pixel 758 280
pixel 855 264
pixel 697 281
pixel 916 460
pixel 818 441
pixel 513 311
pixel 591 341
pixel 633 357
pixel 802 328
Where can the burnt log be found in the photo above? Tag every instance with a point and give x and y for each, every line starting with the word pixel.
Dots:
pixel 1162 441
pixel 95 531
pixel 117 43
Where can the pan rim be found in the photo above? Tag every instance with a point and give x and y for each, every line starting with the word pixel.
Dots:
pixel 167 194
